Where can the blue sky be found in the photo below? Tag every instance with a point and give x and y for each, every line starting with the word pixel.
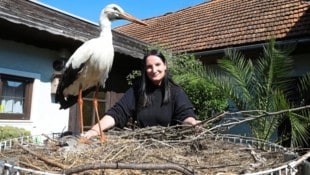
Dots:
pixel 142 9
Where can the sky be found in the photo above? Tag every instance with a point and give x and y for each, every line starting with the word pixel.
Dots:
pixel 142 9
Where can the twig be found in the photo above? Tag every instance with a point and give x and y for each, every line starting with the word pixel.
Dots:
pixel 215 118
pixel 256 117
pixel 40 157
pixel 120 151
pixel 143 166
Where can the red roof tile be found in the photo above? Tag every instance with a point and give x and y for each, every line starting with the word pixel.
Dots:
pixel 224 23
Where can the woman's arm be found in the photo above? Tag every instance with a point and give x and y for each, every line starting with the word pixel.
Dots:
pixel 106 123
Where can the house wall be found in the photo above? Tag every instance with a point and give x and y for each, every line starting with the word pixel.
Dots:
pixel 26 60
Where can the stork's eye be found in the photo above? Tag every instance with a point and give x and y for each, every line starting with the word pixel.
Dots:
pixel 115 8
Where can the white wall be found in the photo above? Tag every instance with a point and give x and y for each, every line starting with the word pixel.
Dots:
pixel 26 60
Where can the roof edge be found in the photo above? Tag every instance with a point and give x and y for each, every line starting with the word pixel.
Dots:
pixel 249 47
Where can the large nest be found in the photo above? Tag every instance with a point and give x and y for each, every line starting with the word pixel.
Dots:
pixel 155 150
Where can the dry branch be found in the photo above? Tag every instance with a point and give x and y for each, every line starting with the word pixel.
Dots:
pixel 142 166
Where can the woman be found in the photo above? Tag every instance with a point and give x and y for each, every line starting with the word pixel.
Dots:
pixel 155 100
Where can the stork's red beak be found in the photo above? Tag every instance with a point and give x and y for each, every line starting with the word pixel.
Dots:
pixel 132 18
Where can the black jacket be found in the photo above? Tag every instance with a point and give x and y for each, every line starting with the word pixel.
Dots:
pixel 174 112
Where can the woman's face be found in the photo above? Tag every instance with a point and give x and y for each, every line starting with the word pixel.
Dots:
pixel 155 69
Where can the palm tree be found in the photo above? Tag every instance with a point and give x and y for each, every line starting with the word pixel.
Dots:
pixel 265 84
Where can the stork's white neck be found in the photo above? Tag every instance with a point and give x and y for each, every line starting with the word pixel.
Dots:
pixel 105 32
pixel 105 26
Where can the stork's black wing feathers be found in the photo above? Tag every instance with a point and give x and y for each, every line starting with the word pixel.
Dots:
pixel 67 78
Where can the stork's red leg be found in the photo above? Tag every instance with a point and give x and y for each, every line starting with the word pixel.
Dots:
pixel 102 136
pixel 80 102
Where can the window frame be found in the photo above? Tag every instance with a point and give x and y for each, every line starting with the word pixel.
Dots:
pixel 28 97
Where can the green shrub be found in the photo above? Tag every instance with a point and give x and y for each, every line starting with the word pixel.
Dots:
pixel 198 82
pixel 206 97
pixel 9 132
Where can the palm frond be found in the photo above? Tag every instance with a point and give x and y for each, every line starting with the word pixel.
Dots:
pixel 274 68
pixel 300 132
pixel 240 71
pixel 304 89
pixel 265 127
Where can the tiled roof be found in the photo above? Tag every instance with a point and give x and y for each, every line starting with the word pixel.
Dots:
pixel 224 23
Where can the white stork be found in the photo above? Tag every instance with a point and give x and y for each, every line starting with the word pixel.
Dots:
pixel 90 64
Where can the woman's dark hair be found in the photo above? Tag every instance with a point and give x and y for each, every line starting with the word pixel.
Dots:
pixel 146 84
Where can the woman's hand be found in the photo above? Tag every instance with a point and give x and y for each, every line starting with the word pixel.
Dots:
pixel 106 123
pixel 191 121
pixel 91 133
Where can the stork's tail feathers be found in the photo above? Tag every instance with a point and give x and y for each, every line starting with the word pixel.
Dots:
pixel 67 102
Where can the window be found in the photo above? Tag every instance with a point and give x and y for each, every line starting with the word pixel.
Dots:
pixel 15 97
